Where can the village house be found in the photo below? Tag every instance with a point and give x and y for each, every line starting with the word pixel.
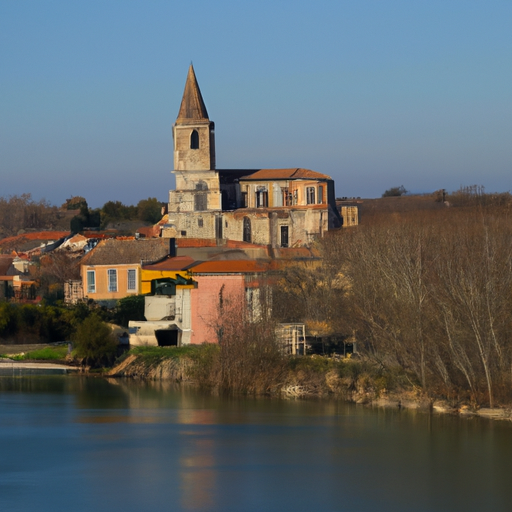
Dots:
pixel 182 305
pixel 112 269
pixel 16 279
pixel 275 207
pixel 226 283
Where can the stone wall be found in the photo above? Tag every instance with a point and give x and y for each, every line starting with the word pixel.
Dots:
pixel 303 225
pixel 350 216
pixel 191 184
pixel 188 159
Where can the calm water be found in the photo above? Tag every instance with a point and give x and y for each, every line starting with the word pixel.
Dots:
pixel 79 444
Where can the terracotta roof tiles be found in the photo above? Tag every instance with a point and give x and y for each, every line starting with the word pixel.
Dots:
pixel 5 262
pixel 121 252
pixel 231 267
pixel 28 241
pixel 281 174
pixel 176 263
pixel 211 242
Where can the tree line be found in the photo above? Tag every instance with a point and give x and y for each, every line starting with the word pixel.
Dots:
pixel 146 210
pixel 22 212
pixel 427 292
pixel 45 322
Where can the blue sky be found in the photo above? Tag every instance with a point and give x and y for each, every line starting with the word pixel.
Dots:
pixel 375 93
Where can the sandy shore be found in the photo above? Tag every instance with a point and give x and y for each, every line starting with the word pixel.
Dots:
pixel 8 367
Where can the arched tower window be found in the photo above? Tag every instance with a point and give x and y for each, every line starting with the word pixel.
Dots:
pixel 194 140
pixel 201 185
pixel 247 230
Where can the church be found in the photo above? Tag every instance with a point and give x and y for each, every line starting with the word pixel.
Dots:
pixel 273 207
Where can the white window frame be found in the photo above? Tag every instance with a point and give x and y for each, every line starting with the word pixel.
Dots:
pixel 320 197
pixel 130 281
pixel 112 280
pixel 91 283
pixel 310 195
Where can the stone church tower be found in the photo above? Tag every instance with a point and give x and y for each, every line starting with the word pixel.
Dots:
pixel 197 182
pixel 275 207
pixel 193 132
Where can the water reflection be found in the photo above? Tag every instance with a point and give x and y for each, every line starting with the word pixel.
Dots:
pixel 123 445
pixel 197 475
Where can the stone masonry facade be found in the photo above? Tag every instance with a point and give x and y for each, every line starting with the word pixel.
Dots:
pixel 276 207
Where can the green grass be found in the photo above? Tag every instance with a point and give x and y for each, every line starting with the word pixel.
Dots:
pixel 44 354
pixel 152 355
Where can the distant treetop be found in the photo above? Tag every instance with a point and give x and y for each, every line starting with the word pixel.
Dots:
pixel 74 203
pixel 395 191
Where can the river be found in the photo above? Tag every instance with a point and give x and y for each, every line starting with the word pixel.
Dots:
pixel 88 444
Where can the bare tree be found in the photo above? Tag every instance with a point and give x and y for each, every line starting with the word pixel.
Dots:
pixel 249 358
pixel 22 212
pixel 431 292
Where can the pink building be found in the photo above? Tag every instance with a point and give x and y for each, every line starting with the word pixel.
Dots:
pixel 234 280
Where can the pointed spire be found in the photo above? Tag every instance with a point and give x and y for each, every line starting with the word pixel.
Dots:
pixel 192 105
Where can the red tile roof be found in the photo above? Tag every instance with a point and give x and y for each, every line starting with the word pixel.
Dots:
pixel 122 252
pixel 231 267
pixel 176 263
pixel 150 231
pixel 29 241
pixel 211 242
pixel 5 262
pixel 286 174
pixel 43 236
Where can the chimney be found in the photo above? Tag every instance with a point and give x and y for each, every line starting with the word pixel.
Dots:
pixel 172 247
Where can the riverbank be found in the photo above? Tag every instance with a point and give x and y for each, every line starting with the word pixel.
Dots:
pixel 9 367
pixel 351 380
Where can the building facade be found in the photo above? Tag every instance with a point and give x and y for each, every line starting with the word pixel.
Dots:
pixel 112 270
pixel 275 207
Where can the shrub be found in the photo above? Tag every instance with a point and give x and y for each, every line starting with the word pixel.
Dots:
pixel 149 210
pixel 129 308
pixel 94 342
pixel 250 358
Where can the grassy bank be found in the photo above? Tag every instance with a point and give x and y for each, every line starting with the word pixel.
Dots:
pixel 352 379
pixel 356 380
pixel 57 353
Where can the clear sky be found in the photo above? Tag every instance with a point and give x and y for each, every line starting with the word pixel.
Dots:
pixel 375 93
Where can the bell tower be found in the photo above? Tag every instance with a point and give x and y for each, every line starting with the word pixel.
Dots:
pixel 193 132
pixel 197 181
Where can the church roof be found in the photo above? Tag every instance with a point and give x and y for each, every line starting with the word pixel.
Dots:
pixel 192 105
pixel 295 173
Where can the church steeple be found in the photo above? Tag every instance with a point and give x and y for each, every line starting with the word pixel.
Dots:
pixel 193 132
pixel 192 107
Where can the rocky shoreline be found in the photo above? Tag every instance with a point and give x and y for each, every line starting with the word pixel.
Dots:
pixel 177 370
pixel 296 386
